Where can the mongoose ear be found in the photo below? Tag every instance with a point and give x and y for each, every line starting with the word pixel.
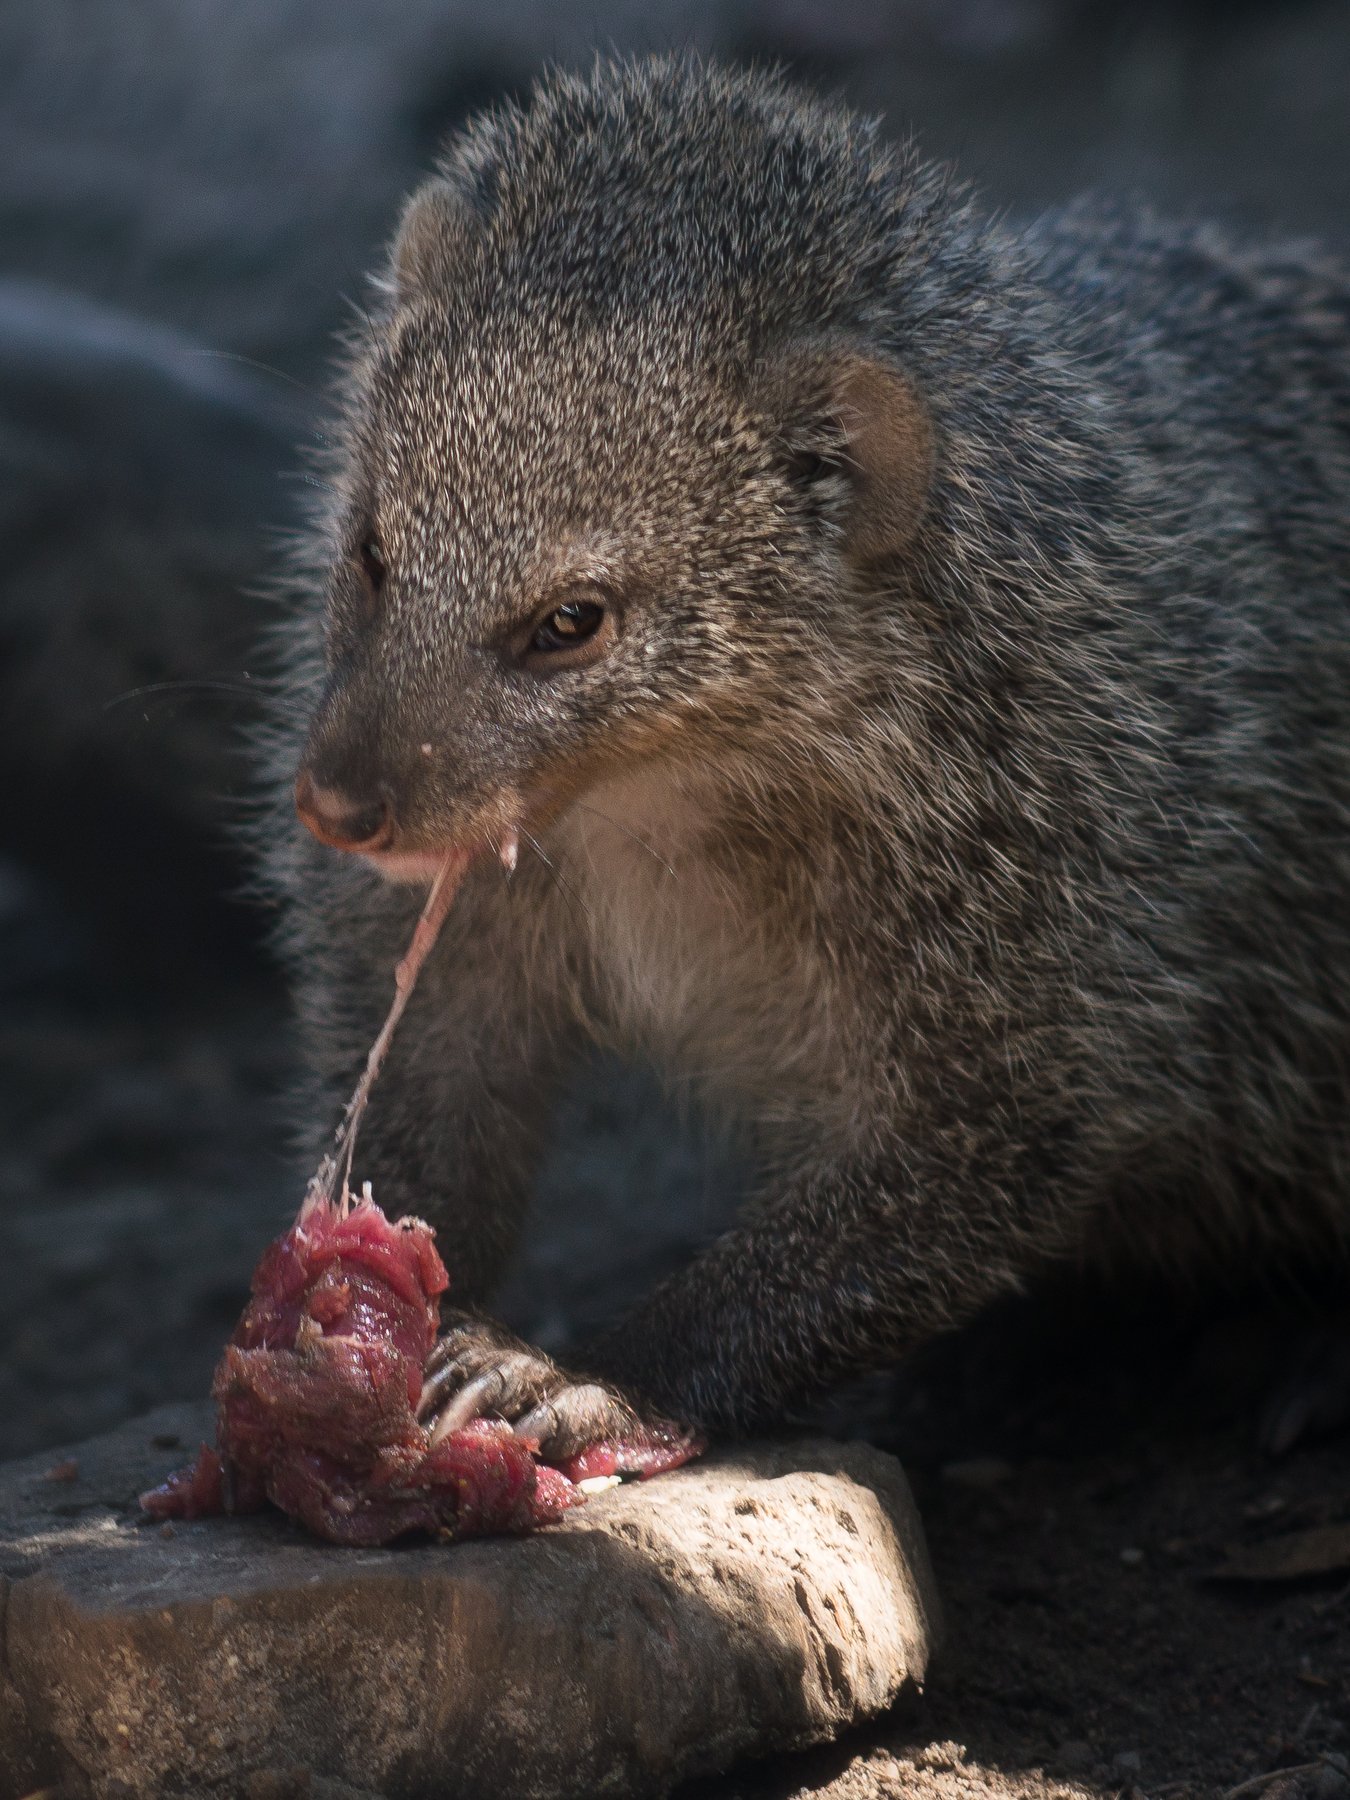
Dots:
pixel 438 225
pixel 859 418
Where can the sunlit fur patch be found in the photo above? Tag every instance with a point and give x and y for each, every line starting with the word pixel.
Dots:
pixel 691 969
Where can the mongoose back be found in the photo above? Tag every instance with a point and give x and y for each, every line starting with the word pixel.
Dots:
pixel 914 658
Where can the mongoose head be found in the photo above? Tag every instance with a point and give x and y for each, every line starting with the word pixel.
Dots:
pixel 621 450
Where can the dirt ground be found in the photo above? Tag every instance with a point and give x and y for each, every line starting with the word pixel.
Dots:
pixel 1086 1466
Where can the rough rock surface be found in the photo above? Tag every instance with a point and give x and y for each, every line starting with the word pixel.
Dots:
pixel 766 1597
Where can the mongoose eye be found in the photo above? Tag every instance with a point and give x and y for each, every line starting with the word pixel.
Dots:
pixel 567 627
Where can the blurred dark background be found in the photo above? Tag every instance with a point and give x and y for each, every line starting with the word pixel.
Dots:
pixel 190 193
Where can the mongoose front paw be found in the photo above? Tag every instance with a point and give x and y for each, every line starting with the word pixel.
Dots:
pixel 588 1430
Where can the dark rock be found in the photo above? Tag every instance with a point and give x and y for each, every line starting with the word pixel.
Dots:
pixel 764 1598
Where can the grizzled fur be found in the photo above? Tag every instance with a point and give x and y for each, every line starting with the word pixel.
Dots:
pixel 985 855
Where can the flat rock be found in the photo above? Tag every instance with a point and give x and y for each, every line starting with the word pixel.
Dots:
pixel 764 1598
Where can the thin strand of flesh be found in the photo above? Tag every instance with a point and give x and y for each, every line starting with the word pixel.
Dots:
pixel 332 1180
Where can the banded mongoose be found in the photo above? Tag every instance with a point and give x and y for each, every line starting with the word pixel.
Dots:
pixel 914 658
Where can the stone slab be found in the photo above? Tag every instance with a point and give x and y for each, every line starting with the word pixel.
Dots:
pixel 766 1597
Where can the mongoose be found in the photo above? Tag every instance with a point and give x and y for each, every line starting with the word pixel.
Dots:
pixel 913 657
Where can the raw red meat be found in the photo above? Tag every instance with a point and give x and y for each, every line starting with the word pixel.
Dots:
pixel 317 1390
pixel 316 1394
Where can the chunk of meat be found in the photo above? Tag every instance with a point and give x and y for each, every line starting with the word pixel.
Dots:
pixel 318 1388
pixel 316 1393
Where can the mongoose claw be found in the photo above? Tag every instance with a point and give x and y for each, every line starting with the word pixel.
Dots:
pixel 577 1415
pixel 479 1369
pixel 593 1434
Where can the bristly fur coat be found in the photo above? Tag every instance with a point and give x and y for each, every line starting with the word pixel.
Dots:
pixel 961 801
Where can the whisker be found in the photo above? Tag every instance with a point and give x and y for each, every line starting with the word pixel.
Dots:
pixel 359 307
pixel 252 362
pixel 565 888
pixel 641 842
pixel 208 684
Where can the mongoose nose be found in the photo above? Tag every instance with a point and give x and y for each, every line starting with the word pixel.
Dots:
pixel 343 823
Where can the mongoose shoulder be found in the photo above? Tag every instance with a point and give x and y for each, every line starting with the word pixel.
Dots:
pixel 922 648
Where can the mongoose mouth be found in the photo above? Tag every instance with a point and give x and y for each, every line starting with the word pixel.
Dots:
pixel 411 866
pixel 420 867
pixel 371 830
